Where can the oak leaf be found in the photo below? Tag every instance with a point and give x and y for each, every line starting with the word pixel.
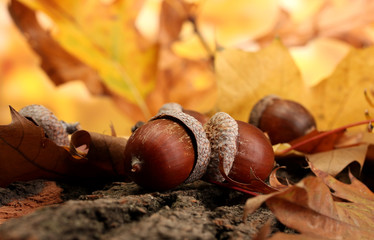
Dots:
pixel 310 208
pixel 113 57
pixel 26 154
pixel 334 161
pixel 243 78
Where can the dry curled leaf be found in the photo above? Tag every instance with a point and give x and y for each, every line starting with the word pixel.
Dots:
pixel 309 208
pixel 334 161
pixel 105 152
pixel 26 154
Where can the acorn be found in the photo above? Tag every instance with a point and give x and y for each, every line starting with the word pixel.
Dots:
pixel 54 129
pixel 282 120
pixel 170 149
pixel 244 150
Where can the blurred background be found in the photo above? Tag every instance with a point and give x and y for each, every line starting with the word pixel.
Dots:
pixel 176 41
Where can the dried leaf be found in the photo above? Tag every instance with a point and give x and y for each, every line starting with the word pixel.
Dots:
pixel 243 78
pixel 26 154
pixel 339 99
pixel 126 69
pixel 50 194
pixel 334 161
pixel 309 145
pixel 105 152
pixel 139 75
pixel 285 236
pixel 309 208
pixel 59 64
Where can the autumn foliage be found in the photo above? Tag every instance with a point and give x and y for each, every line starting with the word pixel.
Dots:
pixel 215 56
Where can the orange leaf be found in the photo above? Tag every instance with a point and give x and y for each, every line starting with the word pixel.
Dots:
pixel 309 208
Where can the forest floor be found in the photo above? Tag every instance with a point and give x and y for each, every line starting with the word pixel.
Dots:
pixel 120 210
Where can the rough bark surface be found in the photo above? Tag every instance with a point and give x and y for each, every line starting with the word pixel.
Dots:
pixel 125 211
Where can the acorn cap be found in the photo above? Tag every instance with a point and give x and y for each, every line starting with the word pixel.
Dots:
pixel 259 108
pixel 222 132
pixel 170 107
pixel 195 130
pixel 43 117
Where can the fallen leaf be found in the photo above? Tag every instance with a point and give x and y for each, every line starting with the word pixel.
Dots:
pixel 321 144
pixel 285 236
pixel 355 192
pixel 103 151
pixel 309 208
pixel 334 161
pixel 59 64
pixel 127 70
pixel 243 78
pixel 339 99
pixel 26 154
pixel 50 194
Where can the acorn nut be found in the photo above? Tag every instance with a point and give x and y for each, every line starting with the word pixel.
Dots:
pixel 244 149
pixel 283 120
pixel 167 151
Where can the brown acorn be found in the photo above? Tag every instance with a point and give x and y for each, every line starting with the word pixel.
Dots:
pixel 243 148
pixel 167 151
pixel 283 120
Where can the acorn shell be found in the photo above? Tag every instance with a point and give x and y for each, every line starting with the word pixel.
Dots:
pixel 283 120
pixel 241 146
pixel 170 149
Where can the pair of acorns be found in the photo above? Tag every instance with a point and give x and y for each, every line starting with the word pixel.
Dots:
pixel 181 146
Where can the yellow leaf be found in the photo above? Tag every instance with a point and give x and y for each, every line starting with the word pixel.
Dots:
pixel 319 58
pixel 244 77
pixel 339 99
pixel 103 37
pixel 233 22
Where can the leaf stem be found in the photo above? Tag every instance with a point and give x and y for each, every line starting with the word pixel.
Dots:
pixel 324 134
pixel 203 41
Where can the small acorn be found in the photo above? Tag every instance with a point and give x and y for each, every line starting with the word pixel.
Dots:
pixel 282 120
pixel 243 148
pixel 54 129
pixel 167 151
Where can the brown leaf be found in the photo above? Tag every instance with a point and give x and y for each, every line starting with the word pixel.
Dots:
pixel 309 208
pixel 334 161
pixel 103 151
pixel 26 154
pixel 325 143
pixel 50 194
pixel 285 236
pixel 59 64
